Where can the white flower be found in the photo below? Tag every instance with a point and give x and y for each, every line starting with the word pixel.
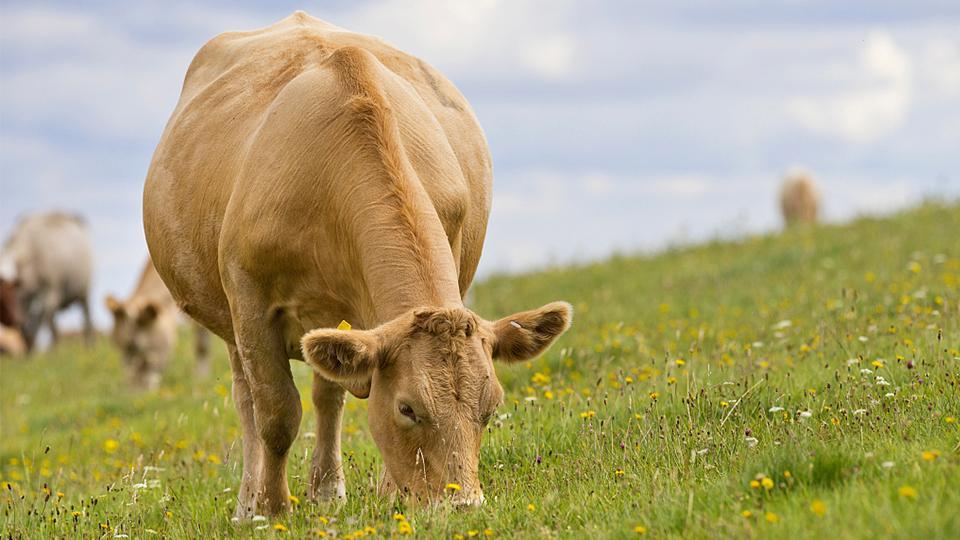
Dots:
pixel 805 414
pixel 258 517
pixel 530 398
pixel 887 464
pixel 775 408
pixel 786 323
pixel 751 441
pixel 863 339
pixel 853 361
pixel 757 344
pixel 858 412
pixel 889 394
pixel 865 371
pixel 881 381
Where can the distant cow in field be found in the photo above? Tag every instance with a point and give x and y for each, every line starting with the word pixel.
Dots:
pixel 308 175
pixel 145 330
pixel 50 262
pixel 799 198
pixel 11 340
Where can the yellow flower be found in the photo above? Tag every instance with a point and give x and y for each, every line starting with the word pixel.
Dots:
pixel 818 507
pixel 835 421
pixel 588 414
pixel 404 528
pixel 915 267
pixel 294 499
pixel 213 458
pixel 653 395
pixel 110 446
pixel 344 325
pixel 221 390
pixel 279 527
pixel 453 488
pixel 950 420
pixel 680 361
pixel 771 517
pixel 531 507
pixel 930 455
pixel 640 529
pixel 548 394
pixel 907 492
pixel 671 380
pixel 399 517
pixel 754 484
pixel 747 514
pixel 540 379
pixel 619 472
pixel 877 363
pixel 767 483
pixel 786 474
pixel 724 404
pixel 628 379
pixel 488 532
pixel 472 533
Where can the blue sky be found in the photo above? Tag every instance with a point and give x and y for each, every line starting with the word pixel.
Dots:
pixel 613 125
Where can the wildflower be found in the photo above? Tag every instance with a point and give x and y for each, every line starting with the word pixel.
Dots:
pixel 680 361
pixel 619 473
pixel 775 409
pixel 914 267
pixel 887 464
pixel 654 395
pixel 746 514
pixel 628 379
pixel 929 455
pixel 399 517
pixel 540 379
pixel 344 325
pixel 818 507
pixel 787 474
pixel 767 483
pixel 279 527
pixel 805 414
pixel 640 529
pixel 950 420
pixel 548 394
pixel 294 499
pixel 671 380
pixel 878 363
pixel 404 528
pixel 488 532
pixel 835 421
pixel 453 488
pixel 213 458
pixel 755 484
pixel 531 507
pixel 724 404
pixel 588 414
pixel 907 492
pixel 771 517
pixel 110 446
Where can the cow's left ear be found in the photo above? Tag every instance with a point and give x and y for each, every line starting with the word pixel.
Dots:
pixel 527 334
pixel 347 357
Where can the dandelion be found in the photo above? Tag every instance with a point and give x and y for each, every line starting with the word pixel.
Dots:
pixel 767 483
pixel 404 528
pixel 930 455
pixel 214 459
pixel 835 421
pixel 724 404
pixel 294 499
pixel 488 532
pixel 588 414
pixel 671 380
pixel 787 474
pixel 619 473
pixel 950 420
pixel 818 507
pixel 531 507
pixel 907 492
pixel 654 396
pixel 279 527
pixel 746 514
pixel 453 487
pixel 878 363
pixel 755 484
pixel 771 517
pixel 399 517
pixel 680 361
pixel 110 446
pixel 640 529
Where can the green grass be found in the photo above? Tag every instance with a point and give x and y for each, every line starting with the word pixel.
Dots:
pixel 644 414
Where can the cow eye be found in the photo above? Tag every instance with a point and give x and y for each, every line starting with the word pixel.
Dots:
pixel 407 411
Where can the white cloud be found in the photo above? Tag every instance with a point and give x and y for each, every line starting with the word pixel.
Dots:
pixel 876 106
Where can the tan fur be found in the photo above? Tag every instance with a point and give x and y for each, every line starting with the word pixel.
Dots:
pixel 308 175
pixel 11 342
pixel 799 198
pixel 145 330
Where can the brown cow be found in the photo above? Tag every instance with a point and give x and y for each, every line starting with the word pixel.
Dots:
pixel 310 174
pixel 799 198
pixel 145 330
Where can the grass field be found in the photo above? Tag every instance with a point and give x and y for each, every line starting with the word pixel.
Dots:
pixel 795 385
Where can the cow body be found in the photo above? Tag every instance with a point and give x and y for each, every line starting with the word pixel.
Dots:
pixel 51 261
pixel 310 175
pixel 145 330
pixel 799 198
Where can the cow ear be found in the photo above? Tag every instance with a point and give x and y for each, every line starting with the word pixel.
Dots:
pixel 115 307
pixel 347 357
pixel 148 314
pixel 527 334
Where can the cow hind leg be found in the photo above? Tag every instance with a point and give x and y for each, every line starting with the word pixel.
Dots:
pixel 243 400
pixel 88 332
pixel 326 470
pixel 276 405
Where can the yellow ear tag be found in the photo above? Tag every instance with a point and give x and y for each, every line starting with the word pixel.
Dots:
pixel 344 325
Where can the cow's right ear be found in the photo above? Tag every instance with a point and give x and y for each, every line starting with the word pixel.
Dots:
pixel 115 307
pixel 347 357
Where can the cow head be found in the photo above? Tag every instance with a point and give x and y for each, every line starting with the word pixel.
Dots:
pixel 432 387
pixel 144 331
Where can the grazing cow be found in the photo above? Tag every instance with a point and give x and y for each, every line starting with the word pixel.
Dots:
pixel 799 198
pixel 145 330
pixel 50 261
pixel 309 175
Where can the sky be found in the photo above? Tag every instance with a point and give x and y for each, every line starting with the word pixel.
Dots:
pixel 613 126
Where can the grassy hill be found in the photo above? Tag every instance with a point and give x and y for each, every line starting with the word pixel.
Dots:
pixel 795 385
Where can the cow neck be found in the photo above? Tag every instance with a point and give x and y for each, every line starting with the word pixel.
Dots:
pixel 406 262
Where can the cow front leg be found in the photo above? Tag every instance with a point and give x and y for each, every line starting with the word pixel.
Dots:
pixel 276 408
pixel 326 469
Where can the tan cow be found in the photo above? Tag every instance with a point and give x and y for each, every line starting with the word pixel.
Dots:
pixel 308 175
pixel 145 330
pixel 49 259
pixel 799 198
